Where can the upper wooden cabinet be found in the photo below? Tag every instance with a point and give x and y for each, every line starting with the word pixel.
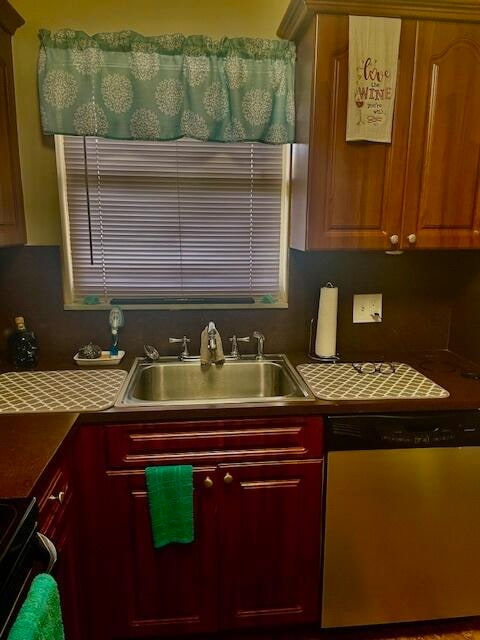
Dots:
pixel 441 206
pixel 12 223
pixel 420 191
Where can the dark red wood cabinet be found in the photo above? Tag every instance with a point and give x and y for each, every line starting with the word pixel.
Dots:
pixel 58 511
pixel 269 543
pixel 158 591
pixel 255 561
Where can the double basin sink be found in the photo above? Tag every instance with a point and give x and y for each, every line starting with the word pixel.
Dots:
pixel 171 381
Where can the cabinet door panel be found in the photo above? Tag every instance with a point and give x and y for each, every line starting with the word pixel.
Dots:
pixel 12 226
pixel 356 187
pixel 441 204
pixel 159 591
pixel 270 543
pixel 357 171
pixel 66 573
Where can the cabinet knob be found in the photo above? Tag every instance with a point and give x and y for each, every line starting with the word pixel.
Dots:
pixel 208 482
pixel 60 497
pixel 412 238
pixel 228 478
pixel 394 239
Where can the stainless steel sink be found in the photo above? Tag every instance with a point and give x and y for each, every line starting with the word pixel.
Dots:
pixel 170 381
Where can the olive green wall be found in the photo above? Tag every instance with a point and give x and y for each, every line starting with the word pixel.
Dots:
pixel 254 18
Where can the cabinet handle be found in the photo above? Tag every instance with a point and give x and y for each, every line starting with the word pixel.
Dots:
pixel 208 483
pixel 394 239
pixel 60 497
pixel 228 478
pixel 412 238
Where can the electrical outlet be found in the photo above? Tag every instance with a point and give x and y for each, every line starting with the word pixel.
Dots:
pixel 367 307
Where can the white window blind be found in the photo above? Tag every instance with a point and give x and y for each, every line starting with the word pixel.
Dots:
pixel 181 218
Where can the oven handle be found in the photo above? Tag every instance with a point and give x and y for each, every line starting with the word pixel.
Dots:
pixel 48 550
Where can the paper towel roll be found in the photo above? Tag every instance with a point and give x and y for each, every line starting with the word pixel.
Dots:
pixel 326 336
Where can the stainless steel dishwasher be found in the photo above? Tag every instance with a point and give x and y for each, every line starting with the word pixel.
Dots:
pixel 402 528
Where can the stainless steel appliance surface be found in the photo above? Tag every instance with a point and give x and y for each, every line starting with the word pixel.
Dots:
pixel 402 528
pixel 249 379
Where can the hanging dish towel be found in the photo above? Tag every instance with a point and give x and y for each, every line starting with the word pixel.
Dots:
pixel 170 498
pixel 208 357
pixel 40 617
pixel 372 77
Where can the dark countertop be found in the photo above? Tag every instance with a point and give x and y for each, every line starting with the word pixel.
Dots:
pixel 28 442
pixel 443 367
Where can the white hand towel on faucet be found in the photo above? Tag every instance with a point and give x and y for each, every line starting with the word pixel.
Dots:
pixel 208 357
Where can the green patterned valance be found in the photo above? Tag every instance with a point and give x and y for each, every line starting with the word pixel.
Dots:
pixel 127 86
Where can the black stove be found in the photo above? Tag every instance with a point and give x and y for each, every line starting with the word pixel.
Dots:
pixel 18 525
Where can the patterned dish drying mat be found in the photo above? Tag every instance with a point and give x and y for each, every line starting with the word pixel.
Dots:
pixel 343 382
pixel 51 391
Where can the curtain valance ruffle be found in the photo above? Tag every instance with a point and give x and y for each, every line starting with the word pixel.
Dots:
pixel 127 86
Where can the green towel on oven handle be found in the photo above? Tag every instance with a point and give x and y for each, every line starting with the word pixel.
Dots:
pixel 170 499
pixel 40 617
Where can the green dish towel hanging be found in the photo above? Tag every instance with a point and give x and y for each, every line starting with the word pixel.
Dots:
pixel 40 617
pixel 170 498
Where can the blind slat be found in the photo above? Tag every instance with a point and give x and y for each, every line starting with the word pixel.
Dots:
pixel 174 218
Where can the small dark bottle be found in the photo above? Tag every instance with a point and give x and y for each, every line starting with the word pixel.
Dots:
pixel 23 346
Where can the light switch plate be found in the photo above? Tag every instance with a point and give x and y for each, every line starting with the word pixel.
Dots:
pixel 367 307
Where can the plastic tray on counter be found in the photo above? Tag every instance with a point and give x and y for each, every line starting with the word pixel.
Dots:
pixel 105 360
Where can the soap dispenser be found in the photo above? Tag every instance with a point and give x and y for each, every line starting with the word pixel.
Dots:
pixel 116 321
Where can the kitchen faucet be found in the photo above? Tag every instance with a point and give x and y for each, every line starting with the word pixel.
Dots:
pixel 212 337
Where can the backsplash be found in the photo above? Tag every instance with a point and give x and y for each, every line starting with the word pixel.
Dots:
pixel 419 291
pixel 465 331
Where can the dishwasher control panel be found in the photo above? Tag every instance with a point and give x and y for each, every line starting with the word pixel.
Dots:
pixel 396 431
pixel 440 436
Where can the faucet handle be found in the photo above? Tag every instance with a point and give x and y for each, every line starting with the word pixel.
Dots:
pixel 235 353
pixel 184 342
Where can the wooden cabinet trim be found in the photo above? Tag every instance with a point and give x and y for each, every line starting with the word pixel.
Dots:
pixel 130 446
pixel 269 464
pixel 10 20
pixel 299 12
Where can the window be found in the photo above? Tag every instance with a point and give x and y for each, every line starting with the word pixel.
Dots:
pixel 174 222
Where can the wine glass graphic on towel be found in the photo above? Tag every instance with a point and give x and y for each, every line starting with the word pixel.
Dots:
pixel 359 102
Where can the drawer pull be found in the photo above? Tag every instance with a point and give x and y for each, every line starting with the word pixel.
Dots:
pixel 60 497
pixel 208 483
pixel 228 478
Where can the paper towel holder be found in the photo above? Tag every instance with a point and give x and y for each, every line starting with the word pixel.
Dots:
pixel 311 347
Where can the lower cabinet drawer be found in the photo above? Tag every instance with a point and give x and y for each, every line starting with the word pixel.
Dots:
pixel 53 499
pixel 138 445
